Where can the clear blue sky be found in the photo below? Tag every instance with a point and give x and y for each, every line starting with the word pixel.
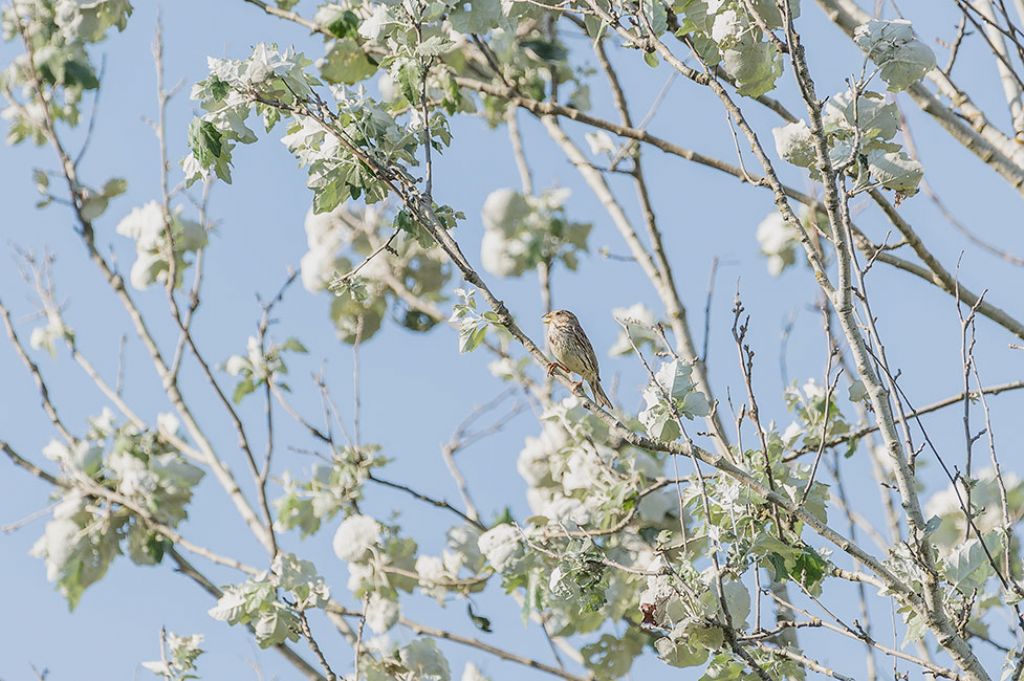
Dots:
pixel 416 388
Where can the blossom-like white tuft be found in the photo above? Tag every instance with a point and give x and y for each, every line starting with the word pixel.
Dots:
pixel 430 569
pixel 424 659
pixel 80 457
pixel 326 234
pixel 168 423
pixel 636 322
pixel 600 142
pixel 504 209
pixel 566 511
pixel 534 462
pixel 501 546
pixel 521 231
pixel 144 224
pixel 473 673
pixel 496 254
pixel 985 498
pixel 236 364
pixel 381 613
pixel 778 242
pixel 354 538
pixel 583 471
pixel 46 337
pixel 318 267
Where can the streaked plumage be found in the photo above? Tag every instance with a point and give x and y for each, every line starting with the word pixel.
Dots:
pixel 572 350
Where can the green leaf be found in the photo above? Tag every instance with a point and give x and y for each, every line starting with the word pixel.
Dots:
pixel 478 16
pixel 480 622
pixel 327 196
pixel 209 148
pixel 877 119
pixel 115 187
pixel 145 547
pixel 611 657
pixel 769 11
pixel 42 180
pixel 545 50
pixel 242 389
pixel 78 550
pixel 346 25
pixel 300 578
pixel 81 74
pixel 968 567
pixel 655 13
pixel 93 206
pixel 902 59
pixel 347 63
pixel 471 336
pixel 737 599
pixel 434 46
pixel 801 563
pixel 219 89
pixel 809 568
pixel 660 423
pixel 595 26
pixel 255 601
pixel 294 345
pixel 204 139
pixel 411 226
pixel 504 518
pixel 695 404
pixel 895 170
pixel 98 17
pixel 858 391
pixel 680 653
pixel 755 67
pixel 275 626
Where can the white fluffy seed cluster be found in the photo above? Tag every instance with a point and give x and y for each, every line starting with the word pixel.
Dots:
pixel 148 228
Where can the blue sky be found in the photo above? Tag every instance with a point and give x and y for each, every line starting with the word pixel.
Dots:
pixel 416 388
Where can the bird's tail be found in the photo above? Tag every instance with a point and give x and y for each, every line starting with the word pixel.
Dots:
pixel 600 396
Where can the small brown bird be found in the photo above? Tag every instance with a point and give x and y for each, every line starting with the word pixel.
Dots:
pixel 573 352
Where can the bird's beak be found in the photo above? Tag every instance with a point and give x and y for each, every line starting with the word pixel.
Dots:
pixel 546 318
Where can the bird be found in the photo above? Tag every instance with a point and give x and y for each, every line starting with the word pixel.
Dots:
pixel 573 352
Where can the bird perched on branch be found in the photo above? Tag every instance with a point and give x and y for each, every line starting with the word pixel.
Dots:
pixel 573 352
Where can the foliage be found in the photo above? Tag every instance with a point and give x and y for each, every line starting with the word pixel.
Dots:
pixel 331 488
pixel 261 366
pixel 521 232
pixel 621 554
pixel 727 33
pixel 670 395
pixel 859 131
pixel 179 659
pixel 57 35
pixel 901 58
pixel 128 471
pixel 156 237
pixel 258 601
